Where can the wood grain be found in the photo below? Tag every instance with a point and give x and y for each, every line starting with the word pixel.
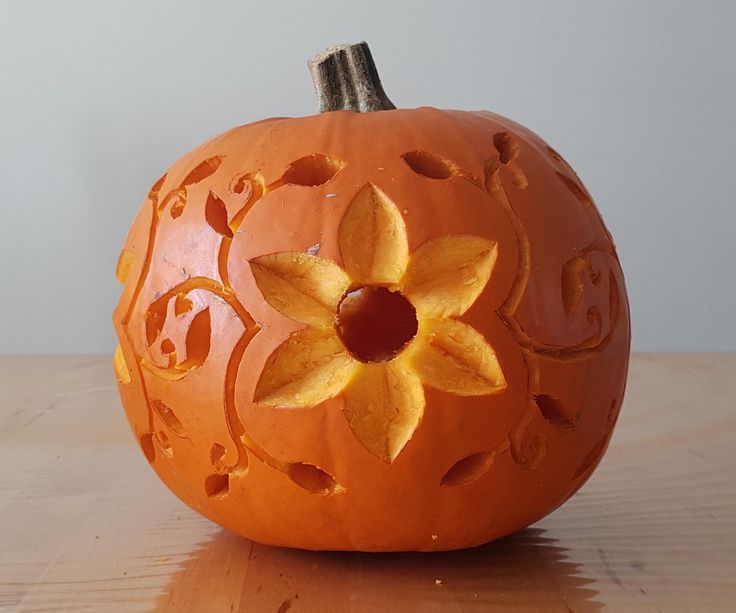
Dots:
pixel 86 526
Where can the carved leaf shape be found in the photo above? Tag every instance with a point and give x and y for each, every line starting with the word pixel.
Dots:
pixel 215 213
pixel 446 275
pixel 202 170
pixel 573 286
pixel 122 372
pixel 308 368
pixel 303 287
pixel 555 411
pixel 313 479
pixel 468 469
pixel 507 147
pixel 431 165
pixel 169 418
pixel 125 263
pixel 198 340
pixel 576 190
pixel 454 357
pixel 146 443
pixel 384 404
pixel 312 170
pixel 372 238
pixel 163 441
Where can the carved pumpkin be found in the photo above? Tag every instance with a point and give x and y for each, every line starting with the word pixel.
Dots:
pixel 380 330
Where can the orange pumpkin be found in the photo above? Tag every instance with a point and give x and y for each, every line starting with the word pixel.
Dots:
pixel 383 330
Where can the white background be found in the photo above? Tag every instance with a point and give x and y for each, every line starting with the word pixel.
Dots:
pixel 98 98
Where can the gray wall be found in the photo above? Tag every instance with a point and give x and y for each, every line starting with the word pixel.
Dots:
pixel 99 97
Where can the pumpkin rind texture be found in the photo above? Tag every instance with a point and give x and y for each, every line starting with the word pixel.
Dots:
pixel 258 408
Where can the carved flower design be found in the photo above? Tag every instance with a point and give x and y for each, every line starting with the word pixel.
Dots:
pixel 382 327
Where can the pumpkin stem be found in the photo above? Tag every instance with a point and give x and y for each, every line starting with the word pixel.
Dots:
pixel 345 77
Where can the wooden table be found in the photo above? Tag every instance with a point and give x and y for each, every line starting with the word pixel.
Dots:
pixel 86 526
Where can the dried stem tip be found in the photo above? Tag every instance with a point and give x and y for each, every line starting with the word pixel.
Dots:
pixel 345 77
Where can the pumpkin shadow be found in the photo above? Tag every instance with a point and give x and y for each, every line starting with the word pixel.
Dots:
pixel 528 570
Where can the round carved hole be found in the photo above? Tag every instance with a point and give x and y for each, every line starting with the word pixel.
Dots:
pixel 375 323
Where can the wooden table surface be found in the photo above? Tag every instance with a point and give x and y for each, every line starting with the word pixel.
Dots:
pixel 85 525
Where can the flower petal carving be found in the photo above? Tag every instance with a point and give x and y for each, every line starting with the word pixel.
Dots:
pixel 308 368
pixel 383 405
pixel 372 238
pixel 300 286
pixel 446 275
pixel 454 357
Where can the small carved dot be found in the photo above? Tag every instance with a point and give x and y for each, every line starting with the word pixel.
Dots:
pixel 167 346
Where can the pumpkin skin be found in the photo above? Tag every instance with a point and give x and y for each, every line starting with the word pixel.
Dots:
pixel 197 332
